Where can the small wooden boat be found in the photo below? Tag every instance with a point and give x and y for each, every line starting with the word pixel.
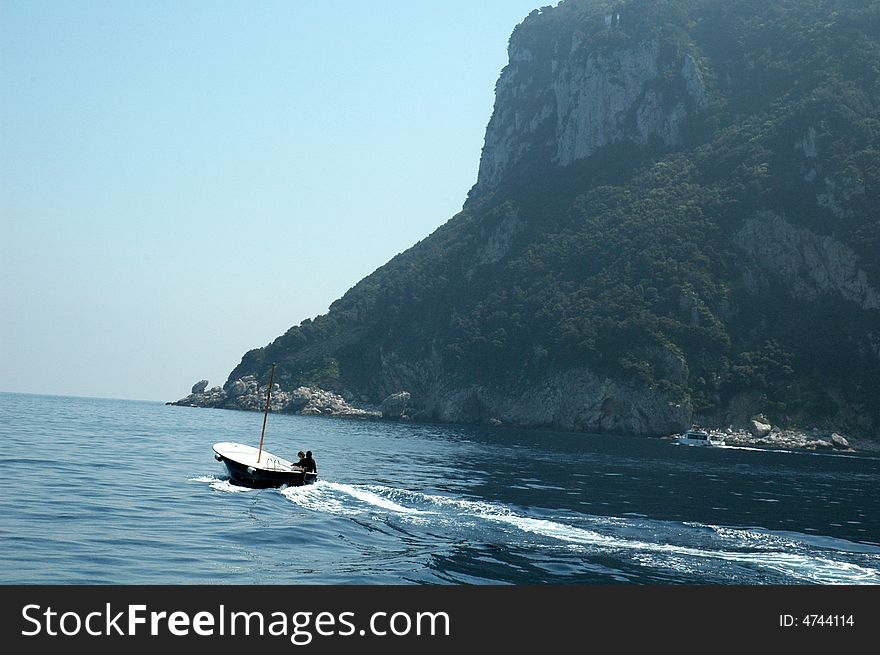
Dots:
pixel 249 467
pixel 257 468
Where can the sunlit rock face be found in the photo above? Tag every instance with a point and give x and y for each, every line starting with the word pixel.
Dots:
pixel 566 99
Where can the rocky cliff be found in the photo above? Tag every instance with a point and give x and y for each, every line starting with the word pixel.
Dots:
pixel 565 96
pixel 675 220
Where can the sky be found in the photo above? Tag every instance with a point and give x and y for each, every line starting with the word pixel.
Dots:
pixel 183 181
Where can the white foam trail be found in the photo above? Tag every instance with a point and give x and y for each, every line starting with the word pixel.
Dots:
pixel 314 497
pixel 806 567
pixel 230 487
pixel 760 450
pixel 220 485
pixel 797 451
pixel 373 499
pixel 757 549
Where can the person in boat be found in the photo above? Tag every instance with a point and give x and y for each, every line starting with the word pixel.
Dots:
pixel 308 463
pixel 302 459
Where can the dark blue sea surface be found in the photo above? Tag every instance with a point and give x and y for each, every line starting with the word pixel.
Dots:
pixel 125 492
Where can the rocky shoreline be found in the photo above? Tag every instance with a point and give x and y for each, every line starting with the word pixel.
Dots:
pixel 761 434
pixel 246 394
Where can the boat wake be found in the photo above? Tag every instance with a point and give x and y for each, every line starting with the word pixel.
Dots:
pixel 792 451
pixel 221 484
pixel 687 549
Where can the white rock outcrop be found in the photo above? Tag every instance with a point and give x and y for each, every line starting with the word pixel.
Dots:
pixel 583 99
pixel 811 264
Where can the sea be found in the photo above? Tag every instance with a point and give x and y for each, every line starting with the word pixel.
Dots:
pixel 119 492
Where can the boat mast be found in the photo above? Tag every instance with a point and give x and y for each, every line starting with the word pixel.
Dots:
pixel 266 411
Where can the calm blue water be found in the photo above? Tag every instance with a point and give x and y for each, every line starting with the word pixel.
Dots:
pixel 123 492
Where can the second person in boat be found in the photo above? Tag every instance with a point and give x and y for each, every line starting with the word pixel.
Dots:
pixel 308 463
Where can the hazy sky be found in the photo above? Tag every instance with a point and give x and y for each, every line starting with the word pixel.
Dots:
pixel 183 181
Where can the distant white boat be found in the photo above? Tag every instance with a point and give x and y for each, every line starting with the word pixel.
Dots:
pixel 699 437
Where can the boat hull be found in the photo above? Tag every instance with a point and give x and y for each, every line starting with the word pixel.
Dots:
pixel 260 470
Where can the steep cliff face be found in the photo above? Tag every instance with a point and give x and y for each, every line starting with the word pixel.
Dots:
pixel 810 266
pixel 675 219
pixel 575 400
pixel 563 98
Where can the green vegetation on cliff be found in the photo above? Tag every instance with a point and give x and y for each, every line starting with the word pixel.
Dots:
pixel 728 260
